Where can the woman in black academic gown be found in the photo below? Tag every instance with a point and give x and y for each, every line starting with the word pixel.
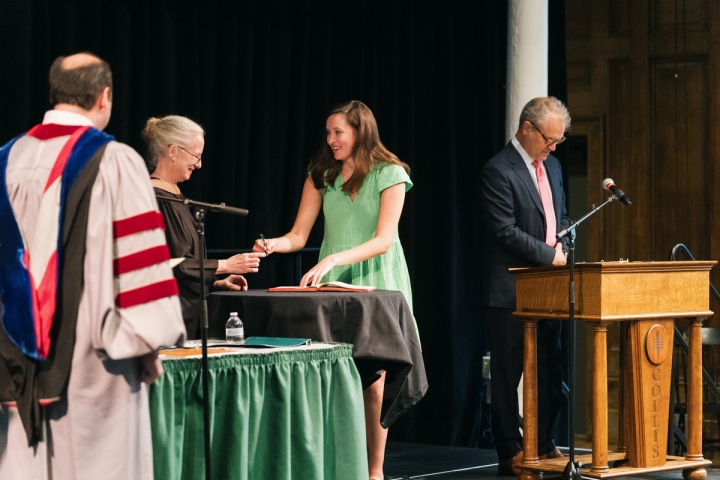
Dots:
pixel 175 145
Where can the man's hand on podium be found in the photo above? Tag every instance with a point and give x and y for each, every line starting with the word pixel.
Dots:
pixel 560 256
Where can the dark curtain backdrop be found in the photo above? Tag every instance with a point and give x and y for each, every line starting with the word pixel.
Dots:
pixel 260 76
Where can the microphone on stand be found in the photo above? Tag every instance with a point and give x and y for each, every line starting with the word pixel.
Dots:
pixel 609 185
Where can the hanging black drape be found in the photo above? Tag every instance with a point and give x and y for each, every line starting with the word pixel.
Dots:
pixel 260 76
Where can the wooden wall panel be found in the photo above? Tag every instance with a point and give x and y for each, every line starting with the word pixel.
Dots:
pixel 620 163
pixel 678 162
pixel 668 16
pixel 593 129
pixel 579 75
pixel 577 19
pixel 713 137
pixel 661 148
pixel 619 15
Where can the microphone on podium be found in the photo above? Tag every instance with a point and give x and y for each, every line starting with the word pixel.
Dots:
pixel 609 184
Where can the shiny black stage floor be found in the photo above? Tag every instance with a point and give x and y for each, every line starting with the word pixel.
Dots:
pixel 419 462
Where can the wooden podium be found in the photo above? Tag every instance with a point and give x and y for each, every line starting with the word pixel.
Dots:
pixel 646 297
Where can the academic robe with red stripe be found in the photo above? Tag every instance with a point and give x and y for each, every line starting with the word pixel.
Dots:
pixel 127 306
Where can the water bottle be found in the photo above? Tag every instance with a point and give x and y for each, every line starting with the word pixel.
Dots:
pixel 234 332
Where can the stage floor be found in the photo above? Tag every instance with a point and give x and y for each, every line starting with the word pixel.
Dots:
pixel 418 462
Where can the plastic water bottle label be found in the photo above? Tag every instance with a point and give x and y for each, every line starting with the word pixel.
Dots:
pixel 234 332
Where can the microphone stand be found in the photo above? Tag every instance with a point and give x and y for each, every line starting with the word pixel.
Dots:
pixel 572 469
pixel 200 228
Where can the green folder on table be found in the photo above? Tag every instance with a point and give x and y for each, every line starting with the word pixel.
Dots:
pixel 275 342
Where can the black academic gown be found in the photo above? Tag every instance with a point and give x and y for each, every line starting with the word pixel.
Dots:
pixel 183 242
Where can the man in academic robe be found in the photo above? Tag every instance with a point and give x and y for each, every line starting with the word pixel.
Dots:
pixel 523 206
pixel 87 292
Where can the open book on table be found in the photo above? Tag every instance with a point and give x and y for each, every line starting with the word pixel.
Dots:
pixel 326 287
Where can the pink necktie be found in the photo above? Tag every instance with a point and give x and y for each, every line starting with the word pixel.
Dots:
pixel 546 203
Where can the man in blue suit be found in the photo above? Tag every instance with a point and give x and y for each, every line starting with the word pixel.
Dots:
pixel 523 206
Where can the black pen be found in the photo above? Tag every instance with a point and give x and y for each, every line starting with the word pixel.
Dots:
pixel 262 237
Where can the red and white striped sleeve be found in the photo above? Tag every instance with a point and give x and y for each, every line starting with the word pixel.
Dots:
pixel 144 307
pixel 137 252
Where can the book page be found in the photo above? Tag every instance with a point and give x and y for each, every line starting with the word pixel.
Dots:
pixel 326 287
pixel 293 289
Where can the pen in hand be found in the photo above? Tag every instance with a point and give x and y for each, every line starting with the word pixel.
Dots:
pixel 262 237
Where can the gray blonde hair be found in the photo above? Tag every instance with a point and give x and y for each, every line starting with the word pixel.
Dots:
pixel 537 109
pixel 159 133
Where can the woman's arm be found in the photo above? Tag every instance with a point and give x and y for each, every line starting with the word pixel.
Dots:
pixel 391 205
pixel 296 238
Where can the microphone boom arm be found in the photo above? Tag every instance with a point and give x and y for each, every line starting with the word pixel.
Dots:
pixel 575 224
pixel 214 207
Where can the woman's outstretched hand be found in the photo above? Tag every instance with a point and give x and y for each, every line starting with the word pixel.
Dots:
pixel 266 246
pixel 315 274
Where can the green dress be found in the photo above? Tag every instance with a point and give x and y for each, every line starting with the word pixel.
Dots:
pixel 351 223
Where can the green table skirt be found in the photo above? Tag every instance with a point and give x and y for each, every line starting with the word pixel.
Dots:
pixel 278 415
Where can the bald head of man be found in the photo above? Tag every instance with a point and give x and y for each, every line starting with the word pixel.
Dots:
pixel 82 83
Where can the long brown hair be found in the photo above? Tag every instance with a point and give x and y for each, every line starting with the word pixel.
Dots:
pixel 367 151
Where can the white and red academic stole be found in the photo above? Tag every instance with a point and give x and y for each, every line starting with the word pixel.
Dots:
pixel 41 257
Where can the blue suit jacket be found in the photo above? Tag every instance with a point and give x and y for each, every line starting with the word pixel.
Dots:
pixel 515 222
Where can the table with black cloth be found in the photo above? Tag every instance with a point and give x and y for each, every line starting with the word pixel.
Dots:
pixel 378 324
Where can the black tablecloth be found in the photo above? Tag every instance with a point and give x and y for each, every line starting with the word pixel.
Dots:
pixel 378 324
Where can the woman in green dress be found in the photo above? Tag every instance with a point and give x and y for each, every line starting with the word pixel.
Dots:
pixel 360 186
